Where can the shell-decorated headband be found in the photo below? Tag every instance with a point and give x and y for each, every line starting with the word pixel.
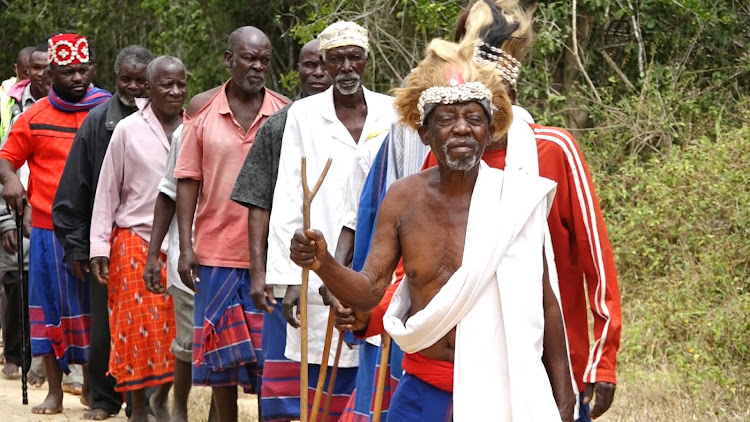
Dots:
pixel 457 92
pixel 506 65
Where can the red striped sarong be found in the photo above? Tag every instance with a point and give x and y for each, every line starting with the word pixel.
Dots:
pixel 141 323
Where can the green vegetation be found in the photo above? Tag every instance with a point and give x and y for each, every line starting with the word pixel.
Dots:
pixel 655 91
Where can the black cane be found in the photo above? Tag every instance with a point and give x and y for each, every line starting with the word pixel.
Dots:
pixel 23 307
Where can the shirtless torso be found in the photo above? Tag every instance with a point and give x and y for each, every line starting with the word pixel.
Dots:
pixel 430 218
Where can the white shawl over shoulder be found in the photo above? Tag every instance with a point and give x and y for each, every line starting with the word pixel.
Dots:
pixel 495 300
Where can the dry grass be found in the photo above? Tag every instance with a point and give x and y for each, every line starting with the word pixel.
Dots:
pixel 660 395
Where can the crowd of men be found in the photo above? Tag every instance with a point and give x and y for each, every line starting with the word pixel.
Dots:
pixel 164 245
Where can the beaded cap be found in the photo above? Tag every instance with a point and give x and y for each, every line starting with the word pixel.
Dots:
pixel 66 49
pixel 343 33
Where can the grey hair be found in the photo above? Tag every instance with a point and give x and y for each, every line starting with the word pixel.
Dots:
pixel 132 55
pixel 153 64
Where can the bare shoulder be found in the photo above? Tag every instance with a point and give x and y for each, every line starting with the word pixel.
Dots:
pixel 200 100
pixel 407 191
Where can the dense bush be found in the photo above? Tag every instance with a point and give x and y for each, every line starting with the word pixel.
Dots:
pixel 680 227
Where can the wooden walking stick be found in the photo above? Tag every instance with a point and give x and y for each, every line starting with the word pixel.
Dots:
pixel 332 381
pixel 323 368
pixel 382 372
pixel 307 197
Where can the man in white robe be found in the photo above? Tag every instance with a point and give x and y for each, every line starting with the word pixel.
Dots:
pixel 343 122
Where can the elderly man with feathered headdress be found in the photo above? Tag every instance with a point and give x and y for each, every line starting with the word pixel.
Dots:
pixel 347 123
pixel 475 314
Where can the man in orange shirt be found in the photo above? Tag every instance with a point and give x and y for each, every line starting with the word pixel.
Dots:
pixel 216 140
pixel 42 136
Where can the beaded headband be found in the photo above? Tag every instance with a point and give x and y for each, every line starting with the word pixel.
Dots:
pixel 65 49
pixel 456 93
pixel 506 65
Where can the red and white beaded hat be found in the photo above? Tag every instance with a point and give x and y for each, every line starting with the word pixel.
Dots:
pixel 66 49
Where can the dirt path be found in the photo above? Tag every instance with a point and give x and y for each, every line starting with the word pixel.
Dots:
pixel 12 410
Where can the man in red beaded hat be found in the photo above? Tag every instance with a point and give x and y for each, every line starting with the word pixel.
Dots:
pixel 42 136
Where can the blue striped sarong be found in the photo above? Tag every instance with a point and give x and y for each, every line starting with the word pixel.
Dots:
pixel 281 376
pixel 59 311
pixel 227 331
pixel 417 401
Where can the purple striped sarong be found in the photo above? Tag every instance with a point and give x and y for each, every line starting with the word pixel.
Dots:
pixel 227 331
pixel 59 311
pixel 281 376
pixel 342 391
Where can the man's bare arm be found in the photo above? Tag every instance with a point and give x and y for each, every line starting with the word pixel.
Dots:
pixel 164 210
pixel 187 200
pixel 257 233
pixel 360 290
pixel 555 356
pixel 13 190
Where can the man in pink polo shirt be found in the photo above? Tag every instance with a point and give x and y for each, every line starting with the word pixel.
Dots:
pixel 216 140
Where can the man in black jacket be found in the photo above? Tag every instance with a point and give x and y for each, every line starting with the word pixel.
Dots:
pixel 71 215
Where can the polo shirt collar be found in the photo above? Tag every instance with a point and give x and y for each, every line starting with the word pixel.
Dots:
pixel 267 108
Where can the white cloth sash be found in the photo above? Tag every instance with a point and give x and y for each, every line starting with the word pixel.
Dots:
pixel 495 299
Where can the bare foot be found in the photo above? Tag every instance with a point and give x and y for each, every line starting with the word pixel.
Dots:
pixel 51 405
pixel 34 379
pixel 75 388
pixel 96 415
pixel 142 418
pixel 158 402
pixel 10 370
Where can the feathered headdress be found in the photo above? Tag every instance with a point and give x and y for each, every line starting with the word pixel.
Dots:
pixel 448 75
pixel 503 33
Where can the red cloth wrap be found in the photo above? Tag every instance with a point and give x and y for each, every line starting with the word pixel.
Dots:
pixel 437 373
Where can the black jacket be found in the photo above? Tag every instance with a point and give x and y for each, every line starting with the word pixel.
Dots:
pixel 74 200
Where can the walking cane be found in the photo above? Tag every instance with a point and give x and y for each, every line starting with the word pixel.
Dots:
pixel 323 367
pixel 306 201
pixel 332 381
pixel 24 309
pixel 382 372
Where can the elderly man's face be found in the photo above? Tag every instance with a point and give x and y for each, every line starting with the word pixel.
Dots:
pixel 249 64
pixel 131 82
pixel 71 82
pixel 345 66
pixel 168 89
pixel 312 75
pixel 457 134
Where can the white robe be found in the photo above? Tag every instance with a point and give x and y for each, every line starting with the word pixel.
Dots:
pixel 495 300
pixel 313 130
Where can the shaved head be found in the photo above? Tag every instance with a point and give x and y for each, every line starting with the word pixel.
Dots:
pixel 248 58
pixel 160 63
pixel 20 67
pixel 247 34
pixel 312 47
